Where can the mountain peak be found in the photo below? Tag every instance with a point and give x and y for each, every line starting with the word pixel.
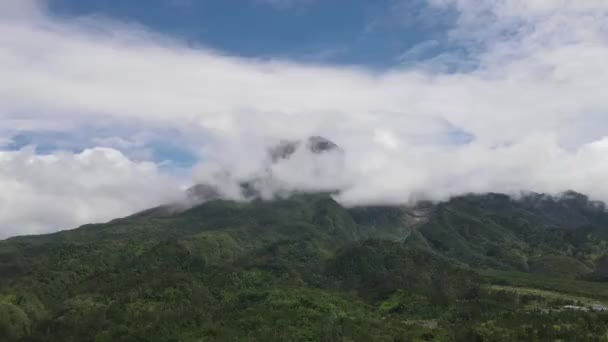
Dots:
pixel 249 188
pixel 318 144
pixel 314 144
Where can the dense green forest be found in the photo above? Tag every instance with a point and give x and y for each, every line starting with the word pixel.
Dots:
pixel 305 268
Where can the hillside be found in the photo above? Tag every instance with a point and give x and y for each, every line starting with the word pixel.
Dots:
pixel 305 268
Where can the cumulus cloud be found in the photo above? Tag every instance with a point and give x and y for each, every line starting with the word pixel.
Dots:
pixel 530 103
pixel 43 193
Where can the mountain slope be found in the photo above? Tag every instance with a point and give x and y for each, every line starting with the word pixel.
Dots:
pixel 306 268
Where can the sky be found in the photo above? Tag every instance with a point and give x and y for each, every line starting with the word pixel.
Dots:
pixel 111 107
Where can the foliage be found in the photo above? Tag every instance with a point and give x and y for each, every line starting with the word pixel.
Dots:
pixel 304 268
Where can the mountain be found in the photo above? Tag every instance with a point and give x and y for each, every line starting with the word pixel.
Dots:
pixel 314 144
pixel 305 268
pixel 253 187
pixel 302 267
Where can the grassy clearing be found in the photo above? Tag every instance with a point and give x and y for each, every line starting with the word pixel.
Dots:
pixel 569 287
pixel 549 296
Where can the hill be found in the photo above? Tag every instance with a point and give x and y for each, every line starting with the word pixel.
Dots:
pixel 305 268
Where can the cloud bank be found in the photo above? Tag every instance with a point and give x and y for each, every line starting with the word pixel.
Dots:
pixel 62 190
pixel 517 103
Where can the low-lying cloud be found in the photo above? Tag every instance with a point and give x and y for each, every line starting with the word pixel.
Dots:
pixel 518 105
pixel 63 190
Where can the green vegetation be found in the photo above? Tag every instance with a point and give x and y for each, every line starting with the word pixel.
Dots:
pixel 304 268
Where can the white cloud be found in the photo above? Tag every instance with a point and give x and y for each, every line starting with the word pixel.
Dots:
pixel 43 193
pixel 537 163
pixel 534 102
pixel 21 9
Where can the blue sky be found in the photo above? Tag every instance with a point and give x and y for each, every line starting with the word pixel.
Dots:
pixel 110 107
pixel 374 34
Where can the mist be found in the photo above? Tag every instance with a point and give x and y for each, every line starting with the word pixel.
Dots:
pixel 520 106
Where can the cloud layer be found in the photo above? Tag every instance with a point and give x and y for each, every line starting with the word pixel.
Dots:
pixel 63 190
pixel 516 103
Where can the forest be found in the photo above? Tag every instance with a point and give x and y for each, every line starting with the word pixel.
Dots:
pixel 305 268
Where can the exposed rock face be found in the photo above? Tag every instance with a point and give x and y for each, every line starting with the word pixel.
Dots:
pixel 250 188
pixel 417 215
pixel 283 150
pixel 287 148
pixel 317 144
